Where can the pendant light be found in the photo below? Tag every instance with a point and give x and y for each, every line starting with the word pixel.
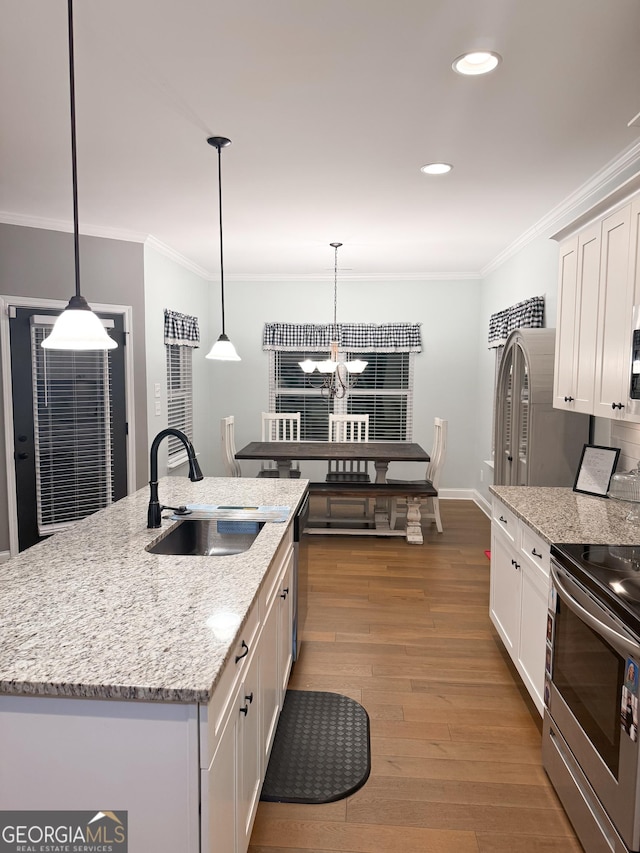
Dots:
pixel 77 328
pixel 223 349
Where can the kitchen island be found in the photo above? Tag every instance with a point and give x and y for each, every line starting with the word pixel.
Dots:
pixel 119 669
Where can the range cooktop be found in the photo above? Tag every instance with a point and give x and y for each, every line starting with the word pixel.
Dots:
pixel 610 572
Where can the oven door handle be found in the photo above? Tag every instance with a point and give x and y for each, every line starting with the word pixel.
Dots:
pixel 625 645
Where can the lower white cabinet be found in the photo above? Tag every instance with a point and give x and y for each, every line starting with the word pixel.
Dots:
pixel 239 723
pixel 519 592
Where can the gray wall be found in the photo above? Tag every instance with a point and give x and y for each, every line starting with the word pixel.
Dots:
pixel 39 264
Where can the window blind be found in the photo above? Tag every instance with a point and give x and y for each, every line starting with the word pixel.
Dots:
pixel 179 399
pixel 384 391
pixel 73 433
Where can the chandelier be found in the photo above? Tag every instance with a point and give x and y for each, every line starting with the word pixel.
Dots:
pixel 336 377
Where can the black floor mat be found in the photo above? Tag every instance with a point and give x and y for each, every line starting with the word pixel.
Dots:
pixel 321 750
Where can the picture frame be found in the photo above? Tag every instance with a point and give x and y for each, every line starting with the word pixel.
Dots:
pixel 597 464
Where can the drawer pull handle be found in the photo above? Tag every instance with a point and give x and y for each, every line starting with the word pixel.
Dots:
pixel 503 520
pixel 285 592
pixel 249 698
pixel 244 653
pixel 535 553
pixel 617 405
pixel 244 710
pixel 568 399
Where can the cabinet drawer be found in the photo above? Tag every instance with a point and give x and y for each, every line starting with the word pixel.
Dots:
pixel 535 550
pixel 213 715
pixel 272 581
pixel 504 519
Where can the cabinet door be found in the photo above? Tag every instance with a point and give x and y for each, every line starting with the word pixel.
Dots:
pixel 586 318
pixel 563 380
pixel 249 753
pixel 270 679
pixel 505 592
pixel 632 411
pixel 285 626
pixel 218 789
pixel 615 310
pixel 533 627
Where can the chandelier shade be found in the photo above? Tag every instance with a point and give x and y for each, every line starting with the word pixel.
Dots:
pixel 223 349
pixel 337 376
pixel 77 328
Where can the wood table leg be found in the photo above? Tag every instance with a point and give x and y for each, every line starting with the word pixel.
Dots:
pixel 414 528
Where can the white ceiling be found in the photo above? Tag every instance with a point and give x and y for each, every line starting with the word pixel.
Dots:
pixel 332 106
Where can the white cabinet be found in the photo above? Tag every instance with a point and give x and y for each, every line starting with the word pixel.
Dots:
pixel 519 591
pixel 576 329
pixel 238 725
pixel 598 285
pixel 615 310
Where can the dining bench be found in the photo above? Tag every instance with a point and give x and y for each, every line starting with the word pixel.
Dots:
pixel 412 492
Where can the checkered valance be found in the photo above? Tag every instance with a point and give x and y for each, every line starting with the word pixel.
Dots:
pixel 525 315
pixel 181 329
pixel 354 337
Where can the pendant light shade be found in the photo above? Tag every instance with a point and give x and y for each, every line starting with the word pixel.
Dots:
pixel 77 328
pixel 223 349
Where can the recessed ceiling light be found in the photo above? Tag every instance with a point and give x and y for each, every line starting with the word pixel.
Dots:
pixel 436 168
pixel 477 62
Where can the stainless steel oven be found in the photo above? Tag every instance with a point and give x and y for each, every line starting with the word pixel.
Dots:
pixel 590 734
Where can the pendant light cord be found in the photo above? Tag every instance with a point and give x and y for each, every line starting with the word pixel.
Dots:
pixel 220 217
pixel 336 246
pixel 74 165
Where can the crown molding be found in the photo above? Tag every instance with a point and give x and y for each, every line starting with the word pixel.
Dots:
pixel 153 243
pixel 328 276
pixel 8 218
pixel 598 186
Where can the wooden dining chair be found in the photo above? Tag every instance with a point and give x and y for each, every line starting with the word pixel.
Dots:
pixel 348 428
pixel 434 469
pixel 279 426
pixel 228 445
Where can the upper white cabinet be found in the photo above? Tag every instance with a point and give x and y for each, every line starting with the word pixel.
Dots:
pixel 598 286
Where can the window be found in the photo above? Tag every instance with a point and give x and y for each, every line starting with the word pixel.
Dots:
pixel 181 336
pixel 384 391
pixel 179 399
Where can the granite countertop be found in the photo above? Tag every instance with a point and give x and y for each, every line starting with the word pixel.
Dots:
pixel 89 613
pixel 562 515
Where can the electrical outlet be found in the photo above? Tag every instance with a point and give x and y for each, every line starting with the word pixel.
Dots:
pixel 158 408
pixel 157 391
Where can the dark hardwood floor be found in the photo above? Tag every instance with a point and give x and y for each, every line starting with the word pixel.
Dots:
pixel 455 741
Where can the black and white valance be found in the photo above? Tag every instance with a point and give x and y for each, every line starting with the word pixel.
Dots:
pixel 528 314
pixel 181 330
pixel 352 337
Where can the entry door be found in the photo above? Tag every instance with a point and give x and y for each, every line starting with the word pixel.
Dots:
pixel 69 419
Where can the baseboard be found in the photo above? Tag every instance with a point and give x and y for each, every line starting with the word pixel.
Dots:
pixel 4 556
pixel 457 494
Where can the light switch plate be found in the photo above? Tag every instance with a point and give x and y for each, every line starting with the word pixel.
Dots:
pixel 157 390
pixel 158 407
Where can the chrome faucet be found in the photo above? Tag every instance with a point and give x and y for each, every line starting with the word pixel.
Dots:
pixel 154 513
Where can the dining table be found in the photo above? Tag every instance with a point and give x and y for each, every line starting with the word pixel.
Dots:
pixel 381 453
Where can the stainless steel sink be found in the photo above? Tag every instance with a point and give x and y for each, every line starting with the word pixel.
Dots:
pixel 204 537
